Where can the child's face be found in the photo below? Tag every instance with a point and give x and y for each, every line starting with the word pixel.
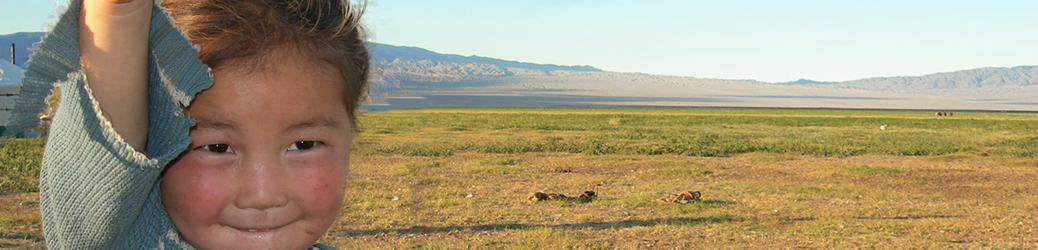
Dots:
pixel 269 155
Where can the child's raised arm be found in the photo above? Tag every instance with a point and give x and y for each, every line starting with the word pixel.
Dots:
pixel 99 187
pixel 113 36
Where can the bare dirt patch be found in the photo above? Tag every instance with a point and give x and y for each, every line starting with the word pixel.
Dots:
pixel 20 221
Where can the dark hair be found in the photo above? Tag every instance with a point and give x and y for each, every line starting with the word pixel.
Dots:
pixel 245 32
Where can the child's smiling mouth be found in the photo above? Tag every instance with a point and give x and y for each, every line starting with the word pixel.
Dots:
pixel 258 233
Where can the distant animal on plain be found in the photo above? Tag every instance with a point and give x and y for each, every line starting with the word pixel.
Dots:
pixel 536 196
pixel 883 127
pixel 585 197
pixel 682 198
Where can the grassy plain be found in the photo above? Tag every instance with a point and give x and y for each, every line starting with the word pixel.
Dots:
pixel 458 178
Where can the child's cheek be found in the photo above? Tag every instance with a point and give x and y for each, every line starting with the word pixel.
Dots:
pixel 324 175
pixel 198 188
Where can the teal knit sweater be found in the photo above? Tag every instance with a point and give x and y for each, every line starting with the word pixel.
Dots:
pixel 96 192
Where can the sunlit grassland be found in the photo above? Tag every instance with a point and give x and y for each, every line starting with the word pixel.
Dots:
pixel 457 178
pixel 770 178
pixel 20 165
pixel 19 213
pixel 709 133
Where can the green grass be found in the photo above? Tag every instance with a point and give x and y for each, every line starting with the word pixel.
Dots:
pixel 683 172
pixel 863 169
pixel 501 162
pixel 422 165
pixel 436 181
pixel 493 169
pixel 416 168
pixel 706 133
pixel 20 165
pixel 1022 147
pixel 430 152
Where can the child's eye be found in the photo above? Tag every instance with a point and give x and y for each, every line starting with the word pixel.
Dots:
pixel 303 145
pixel 217 148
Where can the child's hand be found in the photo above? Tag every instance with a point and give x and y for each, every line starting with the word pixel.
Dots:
pixel 113 39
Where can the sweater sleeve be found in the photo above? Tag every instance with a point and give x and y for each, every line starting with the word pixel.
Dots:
pixel 96 191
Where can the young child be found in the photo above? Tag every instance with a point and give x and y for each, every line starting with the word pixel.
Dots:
pixel 136 160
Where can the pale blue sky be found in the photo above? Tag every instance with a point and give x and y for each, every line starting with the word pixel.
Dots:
pixel 763 40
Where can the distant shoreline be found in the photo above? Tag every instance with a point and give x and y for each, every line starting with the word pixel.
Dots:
pixel 849 109
pixel 380 108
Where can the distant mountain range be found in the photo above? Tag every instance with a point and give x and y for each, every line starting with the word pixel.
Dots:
pixel 1020 76
pixel 402 63
pixel 803 81
pixel 414 73
pixel 396 64
pixel 990 77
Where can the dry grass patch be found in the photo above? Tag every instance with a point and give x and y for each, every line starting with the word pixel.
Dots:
pixel 20 221
pixel 458 179
pixel 682 172
pixel 819 184
pixel 864 169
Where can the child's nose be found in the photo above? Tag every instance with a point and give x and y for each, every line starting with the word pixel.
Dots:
pixel 262 184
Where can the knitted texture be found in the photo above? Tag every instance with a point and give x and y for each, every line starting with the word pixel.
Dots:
pixel 97 192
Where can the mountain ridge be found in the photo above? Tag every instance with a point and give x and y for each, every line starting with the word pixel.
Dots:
pixel 398 69
pixel 403 63
pixel 1018 76
pixel 389 52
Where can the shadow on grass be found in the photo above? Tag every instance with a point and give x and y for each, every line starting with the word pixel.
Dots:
pixel 912 217
pixel 797 219
pixel 517 226
pixel 716 202
pixel 33 238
